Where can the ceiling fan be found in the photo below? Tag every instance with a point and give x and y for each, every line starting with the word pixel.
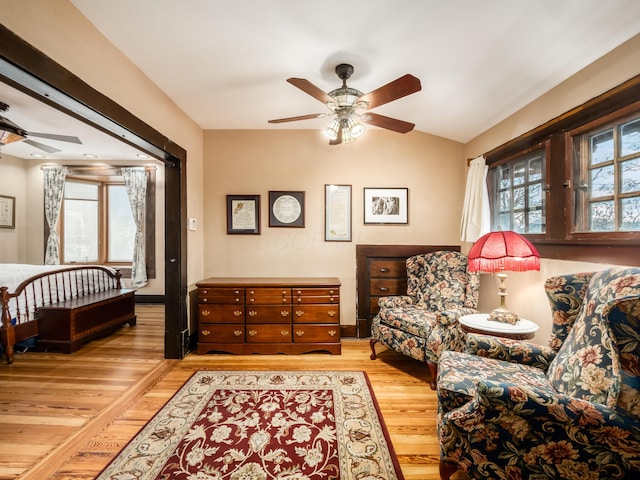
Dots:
pixel 10 132
pixel 350 107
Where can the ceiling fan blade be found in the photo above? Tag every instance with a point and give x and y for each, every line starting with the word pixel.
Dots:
pixel 309 88
pixel 389 123
pixel 41 146
pixel 301 117
pixel 400 87
pixel 53 136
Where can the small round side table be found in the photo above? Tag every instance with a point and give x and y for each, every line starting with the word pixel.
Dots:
pixel 480 323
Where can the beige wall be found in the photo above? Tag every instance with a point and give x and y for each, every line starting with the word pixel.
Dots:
pixel 525 290
pixel 256 161
pixel 13 184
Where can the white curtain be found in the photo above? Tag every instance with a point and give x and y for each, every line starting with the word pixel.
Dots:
pixel 476 219
pixel 54 177
pixel 135 181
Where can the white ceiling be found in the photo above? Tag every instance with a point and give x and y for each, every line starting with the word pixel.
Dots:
pixel 225 63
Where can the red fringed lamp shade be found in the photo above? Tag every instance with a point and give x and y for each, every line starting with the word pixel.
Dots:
pixel 503 250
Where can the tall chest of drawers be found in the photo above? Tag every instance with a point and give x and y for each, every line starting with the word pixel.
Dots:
pixel 269 315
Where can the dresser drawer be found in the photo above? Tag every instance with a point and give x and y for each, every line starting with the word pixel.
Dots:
pixel 221 295
pixel 316 314
pixel 215 313
pixel 268 314
pixel 383 287
pixel 268 296
pixel 388 268
pixel 268 333
pixel 316 295
pixel 316 333
pixel 221 333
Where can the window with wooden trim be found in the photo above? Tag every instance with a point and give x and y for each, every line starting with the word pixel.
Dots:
pixel 591 187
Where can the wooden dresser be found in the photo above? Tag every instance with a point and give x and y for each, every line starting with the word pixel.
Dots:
pixel 269 315
pixel 381 271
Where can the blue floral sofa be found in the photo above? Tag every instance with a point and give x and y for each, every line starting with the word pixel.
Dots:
pixel 569 410
pixel 424 322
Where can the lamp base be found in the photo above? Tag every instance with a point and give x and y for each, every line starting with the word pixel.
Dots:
pixel 503 315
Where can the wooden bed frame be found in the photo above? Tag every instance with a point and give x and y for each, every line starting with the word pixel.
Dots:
pixel 65 308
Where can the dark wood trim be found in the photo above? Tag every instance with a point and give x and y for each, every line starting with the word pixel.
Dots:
pixel 150 299
pixel 31 71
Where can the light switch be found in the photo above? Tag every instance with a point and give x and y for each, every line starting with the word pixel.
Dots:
pixel 193 224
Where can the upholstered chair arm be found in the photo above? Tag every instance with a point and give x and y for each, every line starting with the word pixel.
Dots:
pixel 514 351
pixel 395 301
pixel 509 431
pixel 446 333
pixel 451 317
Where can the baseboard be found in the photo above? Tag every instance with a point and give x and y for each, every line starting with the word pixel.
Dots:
pixel 150 299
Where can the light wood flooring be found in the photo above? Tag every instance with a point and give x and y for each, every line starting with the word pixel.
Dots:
pixel 66 416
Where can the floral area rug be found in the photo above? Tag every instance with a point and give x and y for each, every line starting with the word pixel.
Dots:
pixel 253 425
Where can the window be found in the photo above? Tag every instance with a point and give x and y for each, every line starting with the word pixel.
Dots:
pixel 607 172
pixel 519 203
pixel 97 224
pixel 572 185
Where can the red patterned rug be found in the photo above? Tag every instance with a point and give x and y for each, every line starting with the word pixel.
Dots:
pixel 252 425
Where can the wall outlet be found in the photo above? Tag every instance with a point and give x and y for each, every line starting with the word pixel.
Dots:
pixel 193 224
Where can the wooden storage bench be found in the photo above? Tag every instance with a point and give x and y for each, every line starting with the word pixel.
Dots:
pixel 70 323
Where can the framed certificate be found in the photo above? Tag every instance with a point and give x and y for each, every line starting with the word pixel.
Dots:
pixel 337 213
pixel 243 214
pixel 286 209
pixel 7 212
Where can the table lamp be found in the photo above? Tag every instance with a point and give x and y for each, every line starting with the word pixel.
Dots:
pixel 497 252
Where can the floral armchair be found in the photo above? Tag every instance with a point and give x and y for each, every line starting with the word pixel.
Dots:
pixel 424 323
pixel 510 409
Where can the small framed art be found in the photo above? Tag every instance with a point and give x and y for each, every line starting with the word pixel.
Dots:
pixel 7 212
pixel 243 214
pixel 386 206
pixel 286 209
pixel 337 213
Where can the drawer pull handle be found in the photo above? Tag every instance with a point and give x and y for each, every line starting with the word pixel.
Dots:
pixel 284 333
pixel 252 313
pixel 237 313
pixel 332 333
pixel 237 300
pixel 284 313
pixel 384 270
pixel 284 300
pixel 299 313
pixel 332 313
pixel 384 289
pixel 253 333
pixel 205 291
pixel 205 313
pixel 237 333
pixel 299 333
pixel 205 300
pixel 206 333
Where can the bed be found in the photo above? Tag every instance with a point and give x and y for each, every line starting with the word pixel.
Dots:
pixel 50 306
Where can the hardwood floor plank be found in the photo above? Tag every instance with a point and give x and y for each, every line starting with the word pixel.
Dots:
pixel 91 403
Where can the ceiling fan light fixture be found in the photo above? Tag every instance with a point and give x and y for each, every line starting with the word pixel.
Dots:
pixel 332 130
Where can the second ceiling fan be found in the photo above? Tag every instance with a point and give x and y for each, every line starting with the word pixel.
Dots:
pixel 350 107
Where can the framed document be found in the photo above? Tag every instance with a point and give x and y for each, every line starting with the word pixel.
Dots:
pixel 243 214
pixel 337 213
pixel 386 206
pixel 286 209
pixel 7 212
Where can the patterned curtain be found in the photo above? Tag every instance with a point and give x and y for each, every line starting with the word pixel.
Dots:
pixel 53 192
pixel 475 211
pixel 135 181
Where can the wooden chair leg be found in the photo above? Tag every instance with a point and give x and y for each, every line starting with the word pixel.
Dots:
pixel 433 369
pixel 372 343
pixel 449 471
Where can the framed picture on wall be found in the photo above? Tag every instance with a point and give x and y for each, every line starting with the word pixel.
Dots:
pixel 7 212
pixel 337 213
pixel 243 214
pixel 286 209
pixel 386 206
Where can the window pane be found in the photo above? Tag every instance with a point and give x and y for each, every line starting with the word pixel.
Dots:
pixel 602 147
pixel 631 214
pixel 535 169
pixel 630 172
pixel 535 221
pixel 505 180
pixel 602 181
pixel 505 222
pixel 518 198
pixel 630 135
pixel 535 195
pixel 518 173
pixel 88 191
pixel 122 229
pixel 80 231
pixel 519 222
pixel 505 201
pixel 601 216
